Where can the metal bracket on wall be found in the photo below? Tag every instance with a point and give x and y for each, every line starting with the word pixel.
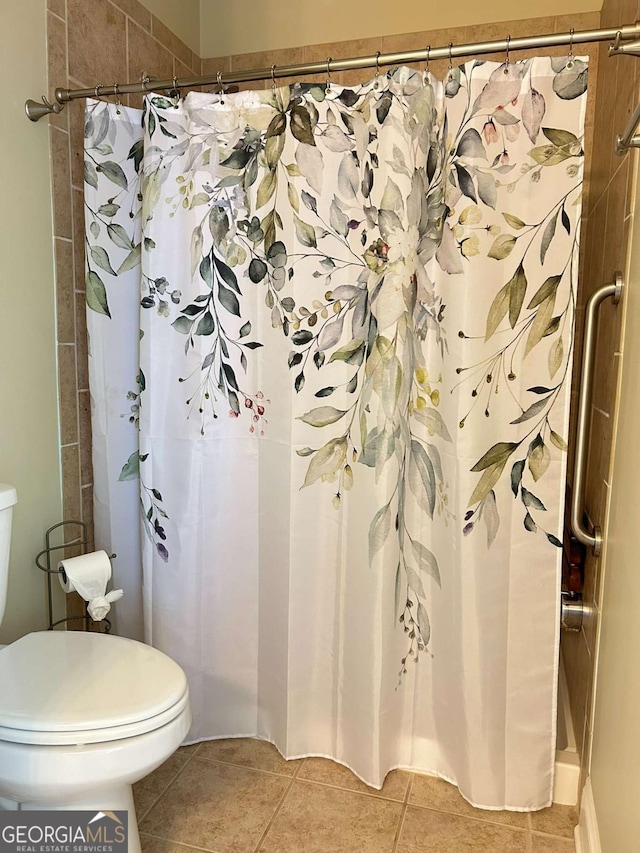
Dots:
pixel 628 138
pixel 619 47
pixel 571 611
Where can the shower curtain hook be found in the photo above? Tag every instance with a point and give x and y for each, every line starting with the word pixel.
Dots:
pixel 117 94
pixel 328 85
pixel 376 84
pixel 426 67
pixel 449 72
pixel 570 62
pixel 506 65
pixel 273 78
pixel 97 91
pixel 221 85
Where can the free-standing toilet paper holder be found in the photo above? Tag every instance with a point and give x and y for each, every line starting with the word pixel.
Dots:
pixel 81 541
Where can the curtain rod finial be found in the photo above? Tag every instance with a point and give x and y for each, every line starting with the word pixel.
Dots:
pixel 629 48
pixel 36 110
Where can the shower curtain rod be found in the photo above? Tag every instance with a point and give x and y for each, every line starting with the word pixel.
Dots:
pixel 628 32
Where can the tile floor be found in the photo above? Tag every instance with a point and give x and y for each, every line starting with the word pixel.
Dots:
pixel 241 796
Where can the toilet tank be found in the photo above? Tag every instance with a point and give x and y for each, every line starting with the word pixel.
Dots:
pixel 8 497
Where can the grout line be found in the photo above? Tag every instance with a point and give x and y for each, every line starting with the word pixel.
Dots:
pixel 551 835
pixel 141 817
pixel 66 133
pixel 600 411
pixel 157 41
pixel 66 45
pixel 376 796
pixel 399 828
pixel 172 841
pixel 128 16
pixel 276 812
pixel 244 766
pixel 408 792
pixel 126 52
pixel 78 485
pixel 471 817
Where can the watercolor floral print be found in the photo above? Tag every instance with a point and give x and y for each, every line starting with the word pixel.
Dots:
pixel 364 218
pixel 113 250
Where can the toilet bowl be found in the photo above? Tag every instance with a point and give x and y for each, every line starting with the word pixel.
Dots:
pixel 82 717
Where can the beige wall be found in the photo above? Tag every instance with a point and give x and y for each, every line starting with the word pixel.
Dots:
pixel 615 765
pixel 29 455
pixel 245 26
pixel 181 16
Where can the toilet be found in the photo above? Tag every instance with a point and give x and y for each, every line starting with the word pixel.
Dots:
pixel 82 715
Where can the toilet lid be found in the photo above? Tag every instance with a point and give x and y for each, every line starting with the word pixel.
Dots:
pixel 71 681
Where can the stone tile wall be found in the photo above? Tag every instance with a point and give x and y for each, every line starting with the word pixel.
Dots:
pixel 606 239
pixel 100 42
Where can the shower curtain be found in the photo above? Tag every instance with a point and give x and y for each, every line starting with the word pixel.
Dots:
pixel 330 349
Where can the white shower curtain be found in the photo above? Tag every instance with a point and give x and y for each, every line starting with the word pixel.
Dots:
pixel 350 372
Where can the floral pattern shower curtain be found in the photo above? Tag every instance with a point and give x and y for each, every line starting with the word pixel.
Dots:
pixel 331 335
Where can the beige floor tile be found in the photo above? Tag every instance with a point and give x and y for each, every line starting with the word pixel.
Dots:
pixel 150 844
pixel 189 750
pixel 248 752
pixel 330 773
pixel 426 831
pixel 434 793
pixel 551 844
pixel 216 807
pixel 317 819
pixel 147 790
pixel 557 820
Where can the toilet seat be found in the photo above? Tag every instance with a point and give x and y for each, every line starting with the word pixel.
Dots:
pixel 75 687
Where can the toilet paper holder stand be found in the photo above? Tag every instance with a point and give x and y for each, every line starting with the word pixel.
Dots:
pixel 81 540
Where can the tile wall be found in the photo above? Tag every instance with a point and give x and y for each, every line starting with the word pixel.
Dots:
pixel 606 239
pixel 88 43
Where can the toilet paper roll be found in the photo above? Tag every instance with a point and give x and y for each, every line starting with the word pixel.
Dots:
pixel 88 575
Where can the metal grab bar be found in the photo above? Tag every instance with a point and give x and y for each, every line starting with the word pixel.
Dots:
pixel 614 290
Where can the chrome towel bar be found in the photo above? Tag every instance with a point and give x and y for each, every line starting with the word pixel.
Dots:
pixel 614 291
